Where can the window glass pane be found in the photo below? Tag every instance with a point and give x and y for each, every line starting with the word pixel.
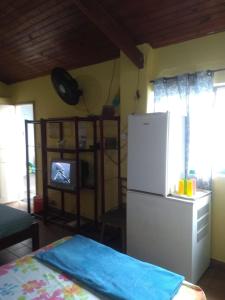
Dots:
pixel 219 131
pixel 200 150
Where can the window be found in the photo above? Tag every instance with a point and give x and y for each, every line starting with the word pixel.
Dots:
pixel 219 131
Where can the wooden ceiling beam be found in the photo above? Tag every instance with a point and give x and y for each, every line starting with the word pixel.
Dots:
pixel 110 27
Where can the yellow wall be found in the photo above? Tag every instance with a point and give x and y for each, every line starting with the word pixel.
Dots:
pixel 5 92
pixel 195 55
pixel 93 80
pixel 218 219
pixel 5 100
pixel 131 80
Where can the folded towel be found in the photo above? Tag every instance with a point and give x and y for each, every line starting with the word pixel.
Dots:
pixel 111 273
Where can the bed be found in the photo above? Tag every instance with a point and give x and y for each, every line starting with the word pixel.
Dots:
pixel 28 278
pixel 17 226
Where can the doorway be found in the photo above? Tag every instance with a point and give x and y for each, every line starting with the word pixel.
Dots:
pixel 26 112
pixel 13 187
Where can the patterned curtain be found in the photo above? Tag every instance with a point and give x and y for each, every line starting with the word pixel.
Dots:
pixel 191 95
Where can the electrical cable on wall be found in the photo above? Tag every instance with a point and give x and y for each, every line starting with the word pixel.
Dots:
pixel 108 93
pixel 123 146
pixel 137 88
pixel 85 105
pixel 124 130
pixel 122 160
pixel 111 82
pixel 137 92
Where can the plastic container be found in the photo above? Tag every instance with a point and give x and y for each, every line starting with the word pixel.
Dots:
pixel 192 175
pixel 38 204
pixel 185 186
pixel 181 187
pixel 190 191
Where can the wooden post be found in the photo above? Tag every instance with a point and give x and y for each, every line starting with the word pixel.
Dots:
pixel 61 137
pixel 102 165
pixel 44 168
pixel 77 172
pixel 27 166
pixel 95 172
pixel 118 157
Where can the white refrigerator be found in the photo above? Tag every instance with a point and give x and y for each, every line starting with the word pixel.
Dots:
pixel 172 232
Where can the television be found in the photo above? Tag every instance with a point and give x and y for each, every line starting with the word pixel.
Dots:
pixel 63 174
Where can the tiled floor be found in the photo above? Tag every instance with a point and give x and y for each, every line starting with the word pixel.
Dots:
pixel 48 234
pixel 22 205
pixel 213 281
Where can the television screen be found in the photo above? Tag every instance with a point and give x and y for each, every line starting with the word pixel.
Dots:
pixel 62 174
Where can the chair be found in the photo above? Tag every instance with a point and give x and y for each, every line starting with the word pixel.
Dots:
pixel 116 217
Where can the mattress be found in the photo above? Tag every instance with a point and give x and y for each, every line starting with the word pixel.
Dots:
pixel 27 278
pixel 13 220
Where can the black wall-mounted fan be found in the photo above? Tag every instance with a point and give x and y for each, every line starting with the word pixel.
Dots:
pixel 66 86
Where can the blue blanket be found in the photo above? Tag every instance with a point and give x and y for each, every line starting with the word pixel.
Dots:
pixel 111 273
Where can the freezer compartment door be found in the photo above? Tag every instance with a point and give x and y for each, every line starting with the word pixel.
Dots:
pixel 147 152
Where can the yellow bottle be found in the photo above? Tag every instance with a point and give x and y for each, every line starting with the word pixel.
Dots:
pixel 190 188
pixel 181 187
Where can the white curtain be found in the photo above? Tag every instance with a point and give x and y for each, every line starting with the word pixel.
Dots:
pixel 191 95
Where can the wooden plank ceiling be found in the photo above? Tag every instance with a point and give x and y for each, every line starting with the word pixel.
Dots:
pixel 37 35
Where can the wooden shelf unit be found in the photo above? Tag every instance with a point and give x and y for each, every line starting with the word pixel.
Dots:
pixel 75 121
pixel 97 124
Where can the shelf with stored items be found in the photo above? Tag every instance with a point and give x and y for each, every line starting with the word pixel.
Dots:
pixel 76 151
pixel 96 151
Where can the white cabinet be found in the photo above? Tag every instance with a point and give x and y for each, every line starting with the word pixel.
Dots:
pixel 170 232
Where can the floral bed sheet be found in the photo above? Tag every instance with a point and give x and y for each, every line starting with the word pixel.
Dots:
pixel 27 278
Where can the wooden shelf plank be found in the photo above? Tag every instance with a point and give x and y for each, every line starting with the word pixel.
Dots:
pixel 52 187
pixel 68 150
pixel 69 191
